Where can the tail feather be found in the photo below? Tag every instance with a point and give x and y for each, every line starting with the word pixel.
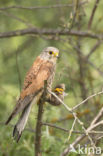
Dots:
pixel 9 119
pixel 19 127
pixel 16 134
pixel 21 104
pixel 25 107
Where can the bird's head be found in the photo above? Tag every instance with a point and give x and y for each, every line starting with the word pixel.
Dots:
pixel 60 89
pixel 50 53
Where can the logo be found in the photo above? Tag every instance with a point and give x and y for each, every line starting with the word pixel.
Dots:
pixel 85 150
pixel 72 149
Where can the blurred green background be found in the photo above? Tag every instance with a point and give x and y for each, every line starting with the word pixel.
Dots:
pixel 81 76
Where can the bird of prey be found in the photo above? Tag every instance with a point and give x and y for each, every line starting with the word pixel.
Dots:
pixel 59 90
pixel 42 69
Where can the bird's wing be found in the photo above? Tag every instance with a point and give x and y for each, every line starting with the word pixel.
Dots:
pixel 34 85
pixel 37 83
pixel 32 73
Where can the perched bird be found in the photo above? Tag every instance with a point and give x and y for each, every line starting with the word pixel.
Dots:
pixel 42 69
pixel 59 90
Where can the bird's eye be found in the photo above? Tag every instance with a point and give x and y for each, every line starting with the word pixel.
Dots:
pixel 50 52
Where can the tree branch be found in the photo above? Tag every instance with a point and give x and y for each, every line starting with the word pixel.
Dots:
pixel 60 128
pixel 39 123
pixel 46 31
pixel 66 130
pixel 40 7
pixel 88 98
pixel 80 138
pixel 55 126
pixel 76 4
pixel 76 118
pixel 93 13
pixel 93 49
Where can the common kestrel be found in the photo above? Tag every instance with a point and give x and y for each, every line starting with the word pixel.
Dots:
pixel 42 69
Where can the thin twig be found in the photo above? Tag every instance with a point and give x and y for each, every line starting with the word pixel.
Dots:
pixel 57 127
pixel 96 68
pixel 80 138
pixel 70 133
pixel 46 31
pixel 88 61
pixel 98 117
pixel 76 118
pixel 93 13
pixel 75 13
pixel 93 49
pixel 88 98
pixel 82 71
pixel 100 137
pixel 97 124
pixel 40 7
pixel 60 128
